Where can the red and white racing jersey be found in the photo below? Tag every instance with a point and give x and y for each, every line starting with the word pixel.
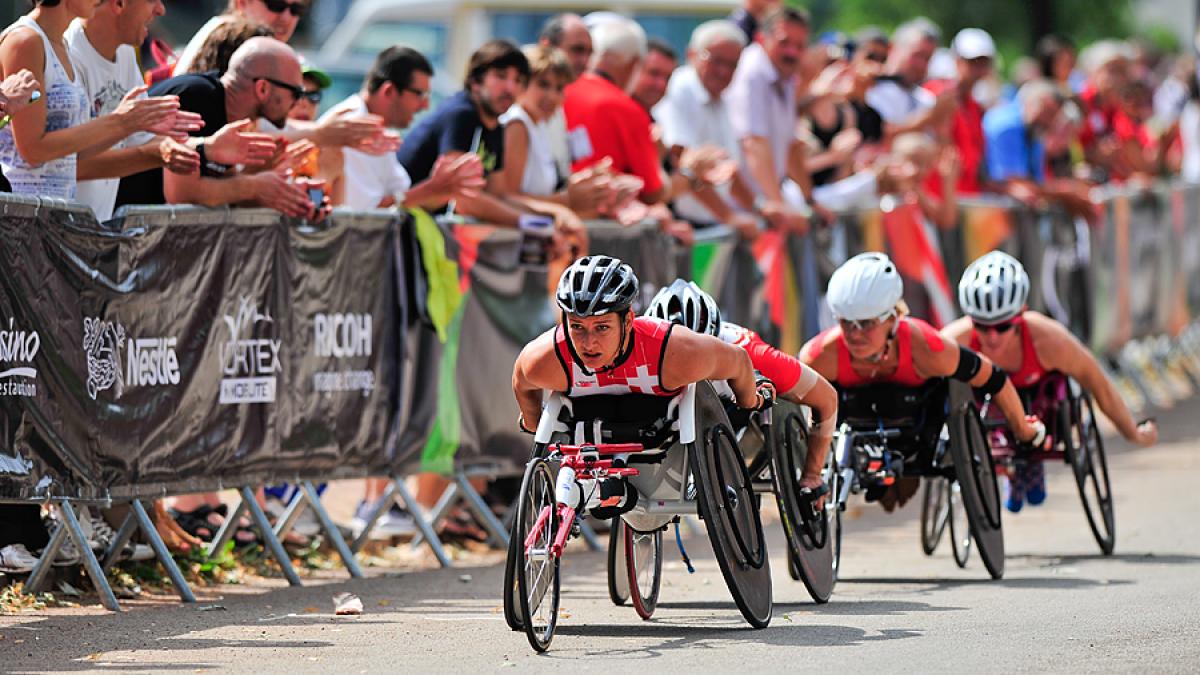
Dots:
pixel 639 373
pixel 783 370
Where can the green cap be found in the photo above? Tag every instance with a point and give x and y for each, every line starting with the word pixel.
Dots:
pixel 322 78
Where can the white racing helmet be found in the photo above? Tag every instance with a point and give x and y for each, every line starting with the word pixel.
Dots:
pixel 865 287
pixel 687 304
pixel 994 288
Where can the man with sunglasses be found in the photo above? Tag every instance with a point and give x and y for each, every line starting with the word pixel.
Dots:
pixel 876 342
pixel 281 16
pixel 999 325
pixel 264 81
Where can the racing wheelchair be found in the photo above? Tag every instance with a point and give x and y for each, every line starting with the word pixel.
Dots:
pixel 934 432
pixel 1074 438
pixel 678 456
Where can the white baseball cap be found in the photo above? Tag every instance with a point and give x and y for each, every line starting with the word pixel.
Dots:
pixel 973 43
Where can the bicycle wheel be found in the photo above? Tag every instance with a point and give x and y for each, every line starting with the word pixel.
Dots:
pixel 935 511
pixel 537 567
pixel 1085 452
pixel 512 599
pixel 643 560
pixel 618 574
pixel 960 526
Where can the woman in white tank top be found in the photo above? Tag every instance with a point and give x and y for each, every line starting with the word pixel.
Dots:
pixel 38 150
pixel 529 161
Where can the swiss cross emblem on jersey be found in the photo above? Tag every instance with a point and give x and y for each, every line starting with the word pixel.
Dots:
pixel 637 373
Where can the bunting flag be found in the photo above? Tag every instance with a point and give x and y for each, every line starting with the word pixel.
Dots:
pixel 917 256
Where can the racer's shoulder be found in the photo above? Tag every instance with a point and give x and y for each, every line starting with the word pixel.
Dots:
pixel 540 347
pixel 925 337
pixel 1048 335
pixel 959 330
pixel 821 344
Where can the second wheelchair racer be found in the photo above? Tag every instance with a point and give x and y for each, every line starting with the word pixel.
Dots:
pixel 686 303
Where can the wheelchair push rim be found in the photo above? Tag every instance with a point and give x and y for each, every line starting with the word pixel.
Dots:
pixel 960 524
pixel 537 568
pixel 811 546
pixel 975 470
pixel 1085 449
pixel 643 563
pixel 512 600
pixel 618 572
pixel 935 513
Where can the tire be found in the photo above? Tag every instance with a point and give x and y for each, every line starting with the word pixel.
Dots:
pixel 1085 453
pixel 643 562
pixel 537 569
pixel 512 602
pixel 960 525
pixel 935 512
pixel 975 470
pixel 810 546
pixel 724 496
pixel 618 573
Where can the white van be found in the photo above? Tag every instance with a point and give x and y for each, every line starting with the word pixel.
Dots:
pixel 447 31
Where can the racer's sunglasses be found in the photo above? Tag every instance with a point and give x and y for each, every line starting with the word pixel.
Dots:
pixel 862 325
pixel 997 328
pixel 280 6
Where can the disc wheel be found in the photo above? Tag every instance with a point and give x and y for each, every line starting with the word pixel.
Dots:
pixel 726 501
pixel 975 471
pixel 643 561
pixel 536 567
pixel 935 512
pixel 618 574
pixel 1085 452
pixel 810 545
pixel 960 526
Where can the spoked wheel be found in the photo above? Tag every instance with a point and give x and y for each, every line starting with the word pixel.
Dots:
pixel 810 544
pixel 960 525
pixel 975 471
pixel 643 560
pixel 536 567
pixel 935 512
pixel 727 505
pixel 512 598
pixel 618 573
pixel 1085 452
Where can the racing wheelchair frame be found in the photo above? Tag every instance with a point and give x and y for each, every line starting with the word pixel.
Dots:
pixel 696 467
pixel 934 432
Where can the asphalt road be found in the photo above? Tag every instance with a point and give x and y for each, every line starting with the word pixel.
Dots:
pixel 1060 607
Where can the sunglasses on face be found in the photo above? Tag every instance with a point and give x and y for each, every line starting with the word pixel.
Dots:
pixel 297 92
pixel 859 325
pixel 997 328
pixel 280 6
pixel 313 97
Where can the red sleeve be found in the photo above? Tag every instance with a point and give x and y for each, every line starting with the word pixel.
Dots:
pixel 783 370
pixel 640 151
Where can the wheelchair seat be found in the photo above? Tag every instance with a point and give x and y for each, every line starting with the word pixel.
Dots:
pixel 623 418
pixel 918 413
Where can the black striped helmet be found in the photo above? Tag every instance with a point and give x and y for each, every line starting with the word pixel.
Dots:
pixel 596 285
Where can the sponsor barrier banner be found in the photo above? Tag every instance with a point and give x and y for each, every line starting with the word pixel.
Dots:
pixel 189 349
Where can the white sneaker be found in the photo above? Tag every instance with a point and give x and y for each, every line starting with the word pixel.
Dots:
pixel 306 523
pixel 16 559
pixel 100 536
pixel 396 523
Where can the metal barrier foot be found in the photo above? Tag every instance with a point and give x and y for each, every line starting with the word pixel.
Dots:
pixel 482 511
pixel 228 528
pixel 381 506
pixel 268 535
pixel 331 529
pixel 448 498
pixel 38 576
pixel 425 525
pixel 90 564
pixel 112 554
pixel 160 550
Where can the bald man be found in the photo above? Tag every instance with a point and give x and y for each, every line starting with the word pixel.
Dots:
pixel 263 81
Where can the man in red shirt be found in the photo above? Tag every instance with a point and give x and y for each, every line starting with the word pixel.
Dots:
pixel 975 54
pixel 604 121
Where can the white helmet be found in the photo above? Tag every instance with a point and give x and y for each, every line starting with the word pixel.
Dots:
pixel 686 303
pixel 866 286
pixel 994 288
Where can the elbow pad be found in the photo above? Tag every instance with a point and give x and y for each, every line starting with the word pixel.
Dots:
pixel 994 383
pixel 969 364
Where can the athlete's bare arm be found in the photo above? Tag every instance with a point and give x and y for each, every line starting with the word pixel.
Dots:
pixel 1058 349
pixel 940 359
pixel 820 354
pixel 959 330
pixel 537 369
pixel 691 357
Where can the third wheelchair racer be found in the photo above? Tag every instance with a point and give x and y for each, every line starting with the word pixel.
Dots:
pixel 875 342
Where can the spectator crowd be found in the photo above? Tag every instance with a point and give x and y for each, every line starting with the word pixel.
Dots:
pixel 760 125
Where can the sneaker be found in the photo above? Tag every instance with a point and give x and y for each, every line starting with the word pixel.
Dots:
pixel 359 522
pixel 396 523
pixel 1035 483
pixel 306 523
pixel 100 536
pixel 16 559
pixel 67 556
pixel 1012 492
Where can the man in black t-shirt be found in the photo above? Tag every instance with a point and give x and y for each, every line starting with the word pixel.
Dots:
pixel 263 80
pixel 469 121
